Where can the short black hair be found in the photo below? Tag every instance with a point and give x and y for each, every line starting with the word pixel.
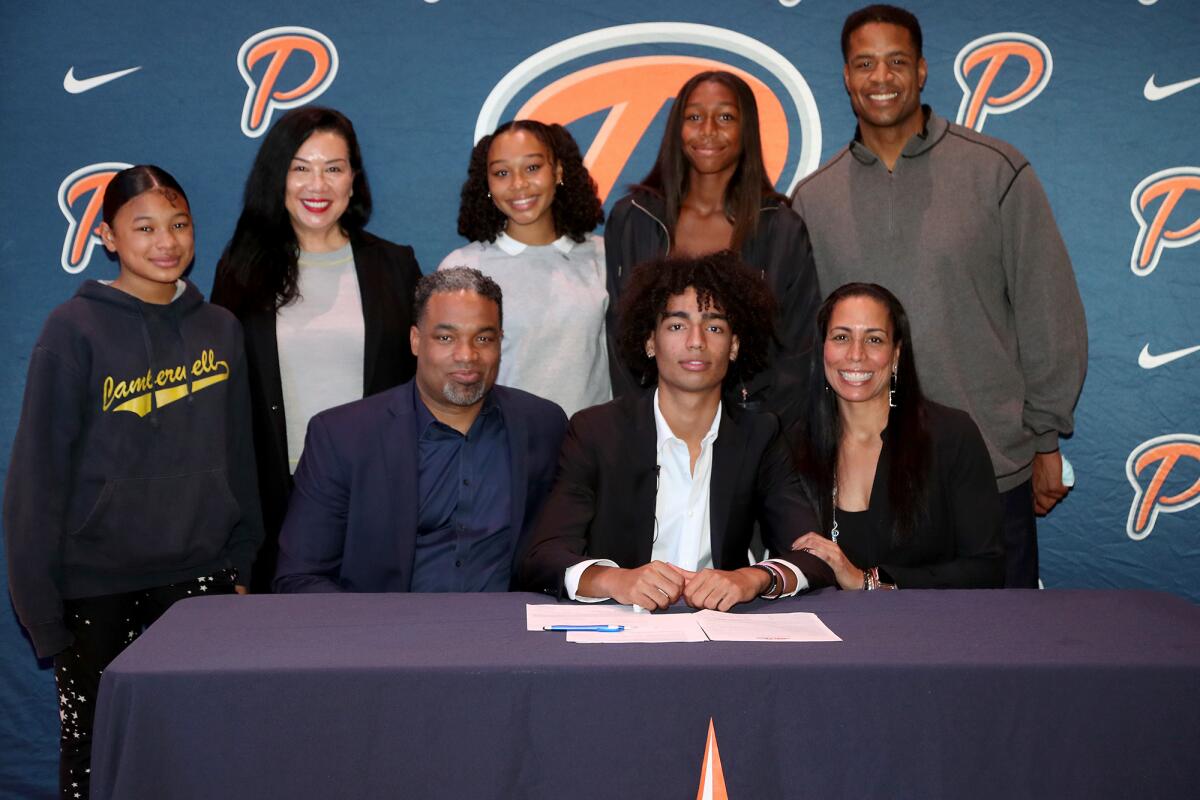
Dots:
pixel 456 279
pixel 892 15
pixel 721 281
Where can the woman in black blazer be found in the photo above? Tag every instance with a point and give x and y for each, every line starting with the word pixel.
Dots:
pixel 318 296
pixel 902 488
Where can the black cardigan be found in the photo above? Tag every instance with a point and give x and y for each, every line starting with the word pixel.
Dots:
pixel 387 274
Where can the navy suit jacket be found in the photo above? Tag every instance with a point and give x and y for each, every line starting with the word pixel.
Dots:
pixel 351 524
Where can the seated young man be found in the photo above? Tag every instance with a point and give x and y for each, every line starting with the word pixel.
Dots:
pixel 657 492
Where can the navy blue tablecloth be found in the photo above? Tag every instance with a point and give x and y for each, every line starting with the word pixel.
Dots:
pixel 931 694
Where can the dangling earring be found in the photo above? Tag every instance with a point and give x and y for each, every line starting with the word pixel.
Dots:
pixel 892 391
pixel 489 195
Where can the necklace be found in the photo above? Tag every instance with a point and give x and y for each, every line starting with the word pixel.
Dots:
pixel 833 531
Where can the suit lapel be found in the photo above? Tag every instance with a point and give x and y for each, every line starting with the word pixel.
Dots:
pixel 642 460
pixel 729 452
pixel 518 462
pixel 372 308
pixel 400 459
pixel 262 344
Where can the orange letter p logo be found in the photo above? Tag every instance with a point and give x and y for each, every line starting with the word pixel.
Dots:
pixel 1169 453
pixel 1153 234
pixel 276 46
pixel 83 217
pixel 992 51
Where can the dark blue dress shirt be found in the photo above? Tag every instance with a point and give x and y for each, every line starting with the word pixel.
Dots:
pixel 465 540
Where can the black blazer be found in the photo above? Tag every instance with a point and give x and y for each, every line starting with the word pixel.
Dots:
pixel 387 274
pixel 602 504
pixel 958 543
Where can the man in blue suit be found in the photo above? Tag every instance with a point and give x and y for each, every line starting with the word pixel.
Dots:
pixel 433 485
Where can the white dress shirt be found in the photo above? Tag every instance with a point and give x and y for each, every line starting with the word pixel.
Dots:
pixel 682 520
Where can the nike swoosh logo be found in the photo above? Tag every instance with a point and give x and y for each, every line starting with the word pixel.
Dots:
pixel 1147 361
pixel 79 86
pixel 1153 92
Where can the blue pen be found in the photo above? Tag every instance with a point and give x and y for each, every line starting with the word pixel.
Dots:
pixel 593 628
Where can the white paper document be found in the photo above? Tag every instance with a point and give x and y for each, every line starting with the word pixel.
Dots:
pixel 700 626
pixel 796 626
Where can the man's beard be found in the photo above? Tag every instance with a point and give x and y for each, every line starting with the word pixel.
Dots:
pixel 460 395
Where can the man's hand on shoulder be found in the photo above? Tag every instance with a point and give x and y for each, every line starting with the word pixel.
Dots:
pixel 1048 487
pixel 652 586
pixel 721 589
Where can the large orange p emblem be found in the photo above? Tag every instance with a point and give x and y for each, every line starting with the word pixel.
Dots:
pixel 1166 454
pixel 276 46
pixel 81 198
pixel 634 90
pixel 1153 234
pixel 992 51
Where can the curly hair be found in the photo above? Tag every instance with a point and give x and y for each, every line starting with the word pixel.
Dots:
pixel 721 281
pixel 577 209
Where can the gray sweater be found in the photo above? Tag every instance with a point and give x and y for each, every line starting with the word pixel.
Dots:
pixel 961 231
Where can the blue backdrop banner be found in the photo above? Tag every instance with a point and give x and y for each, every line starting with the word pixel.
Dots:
pixel 1103 98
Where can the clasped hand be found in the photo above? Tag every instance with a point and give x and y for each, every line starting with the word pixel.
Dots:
pixel 659 584
pixel 848 576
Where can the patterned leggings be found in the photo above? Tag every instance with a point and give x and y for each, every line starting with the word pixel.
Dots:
pixel 103 627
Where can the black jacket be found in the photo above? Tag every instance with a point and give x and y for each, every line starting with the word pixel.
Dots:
pixel 387 274
pixel 780 251
pixel 602 504
pixel 957 543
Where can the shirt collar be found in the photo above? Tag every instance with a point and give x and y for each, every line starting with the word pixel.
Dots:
pixel 425 418
pixel 933 131
pixel 563 244
pixel 665 434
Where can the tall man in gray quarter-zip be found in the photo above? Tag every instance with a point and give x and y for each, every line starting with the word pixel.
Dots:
pixel 958 226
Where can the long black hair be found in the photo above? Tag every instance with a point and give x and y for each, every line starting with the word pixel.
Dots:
pixel 721 281
pixel 577 209
pixel 748 186
pixel 129 183
pixel 908 438
pixel 258 271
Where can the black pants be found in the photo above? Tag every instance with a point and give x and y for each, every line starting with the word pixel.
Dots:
pixel 1020 538
pixel 103 627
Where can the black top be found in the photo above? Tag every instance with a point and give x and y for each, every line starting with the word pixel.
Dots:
pixel 958 543
pixel 387 275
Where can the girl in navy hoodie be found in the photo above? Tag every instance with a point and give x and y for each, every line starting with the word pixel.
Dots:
pixel 132 479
